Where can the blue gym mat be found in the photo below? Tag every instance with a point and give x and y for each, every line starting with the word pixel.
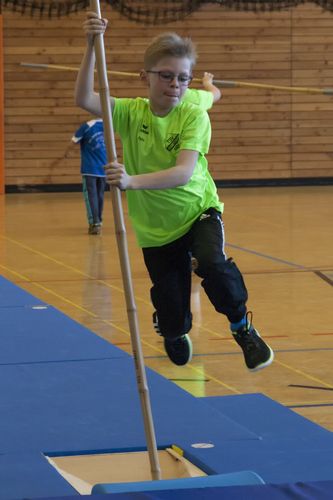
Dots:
pixel 68 407
pixel 13 296
pixel 64 390
pixel 44 334
pixel 319 490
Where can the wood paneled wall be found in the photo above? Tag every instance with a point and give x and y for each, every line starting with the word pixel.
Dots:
pixel 257 134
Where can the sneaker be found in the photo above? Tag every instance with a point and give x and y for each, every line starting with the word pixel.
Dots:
pixel 95 229
pixel 257 353
pixel 179 350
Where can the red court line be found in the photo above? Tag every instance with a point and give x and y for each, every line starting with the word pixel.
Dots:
pixel 318 334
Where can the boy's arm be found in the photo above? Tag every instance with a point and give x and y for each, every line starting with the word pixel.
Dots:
pixel 69 148
pixel 207 82
pixel 179 175
pixel 85 96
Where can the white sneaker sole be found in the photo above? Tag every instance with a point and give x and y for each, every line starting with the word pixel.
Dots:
pixel 267 363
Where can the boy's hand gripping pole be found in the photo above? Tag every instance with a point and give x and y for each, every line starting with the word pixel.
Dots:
pixel 123 254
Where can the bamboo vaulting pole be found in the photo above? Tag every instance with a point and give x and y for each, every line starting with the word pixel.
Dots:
pixel 218 83
pixel 266 86
pixel 2 116
pixel 72 68
pixel 123 255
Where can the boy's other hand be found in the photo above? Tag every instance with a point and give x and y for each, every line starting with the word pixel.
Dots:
pixel 207 79
pixel 93 25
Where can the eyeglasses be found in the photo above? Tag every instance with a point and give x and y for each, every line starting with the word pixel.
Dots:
pixel 168 76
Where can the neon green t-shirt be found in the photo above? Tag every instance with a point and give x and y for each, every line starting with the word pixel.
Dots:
pixel 152 143
pixel 202 98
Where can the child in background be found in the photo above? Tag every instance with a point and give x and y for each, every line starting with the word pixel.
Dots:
pixel 172 199
pixel 90 135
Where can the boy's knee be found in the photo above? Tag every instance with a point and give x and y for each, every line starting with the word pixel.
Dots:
pixel 225 282
pixel 205 265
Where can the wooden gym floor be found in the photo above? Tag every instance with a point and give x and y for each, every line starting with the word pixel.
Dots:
pixel 281 239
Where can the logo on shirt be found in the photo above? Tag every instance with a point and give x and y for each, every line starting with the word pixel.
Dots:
pixel 172 142
pixel 143 130
pixel 96 141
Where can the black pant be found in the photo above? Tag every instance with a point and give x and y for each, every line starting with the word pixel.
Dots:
pixel 169 268
pixel 93 192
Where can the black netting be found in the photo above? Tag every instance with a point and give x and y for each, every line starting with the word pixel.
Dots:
pixel 258 5
pixel 44 8
pixel 155 12
pixel 325 4
pixel 150 11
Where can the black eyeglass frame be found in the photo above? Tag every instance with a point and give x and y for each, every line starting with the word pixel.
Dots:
pixel 171 76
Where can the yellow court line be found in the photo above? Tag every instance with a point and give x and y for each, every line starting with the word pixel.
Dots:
pixel 66 266
pixel 142 300
pixel 61 297
pixel 145 302
pixel 60 263
pixel 193 368
pixel 19 275
pixel 218 381
pixel 300 372
pixel 123 330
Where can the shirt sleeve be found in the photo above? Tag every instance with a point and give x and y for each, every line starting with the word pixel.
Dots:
pixel 79 134
pixel 196 133
pixel 204 99
pixel 121 114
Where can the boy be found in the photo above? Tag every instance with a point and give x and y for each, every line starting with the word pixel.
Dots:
pixel 172 199
pixel 90 135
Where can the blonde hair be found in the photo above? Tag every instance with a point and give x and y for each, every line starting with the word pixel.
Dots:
pixel 169 45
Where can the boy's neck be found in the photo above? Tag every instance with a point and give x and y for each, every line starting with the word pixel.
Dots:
pixel 160 112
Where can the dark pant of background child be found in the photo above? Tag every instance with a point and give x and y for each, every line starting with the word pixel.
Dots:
pixel 93 192
pixel 169 268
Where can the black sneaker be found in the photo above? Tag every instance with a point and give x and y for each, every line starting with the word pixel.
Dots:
pixel 179 350
pixel 257 353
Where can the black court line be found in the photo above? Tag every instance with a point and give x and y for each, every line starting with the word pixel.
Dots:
pixel 265 256
pixel 311 387
pixel 282 261
pixel 237 353
pixel 324 277
pixel 310 405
